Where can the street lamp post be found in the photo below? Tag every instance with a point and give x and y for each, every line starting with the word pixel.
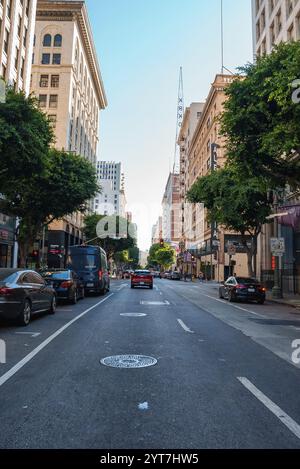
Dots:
pixel 276 291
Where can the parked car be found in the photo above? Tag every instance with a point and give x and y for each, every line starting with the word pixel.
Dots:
pixel 242 288
pixel 90 264
pixel 142 278
pixel 24 293
pixel 66 283
pixel 175 275
pixel 167 274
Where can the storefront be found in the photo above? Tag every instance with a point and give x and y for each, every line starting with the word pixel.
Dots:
pixel 7 228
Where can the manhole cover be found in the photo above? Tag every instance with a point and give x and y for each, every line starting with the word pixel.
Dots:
pixel 129 361
pixel 133 315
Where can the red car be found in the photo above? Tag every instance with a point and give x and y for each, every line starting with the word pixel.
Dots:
pixel 142 278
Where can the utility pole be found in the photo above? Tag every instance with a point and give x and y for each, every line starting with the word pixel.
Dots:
pixel 276 291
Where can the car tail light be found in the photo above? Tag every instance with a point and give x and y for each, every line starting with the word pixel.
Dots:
pixel 66 284
pixel 5 291
pixel 263 289
pixel 240 287
pixel 100 274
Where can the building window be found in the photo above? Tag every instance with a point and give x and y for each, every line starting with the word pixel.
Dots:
pixel 54 81
pixel 25 37
pixel 43 100
pixel 53 120
pixel 47 40
pixel 53 101
pixel 17 58
pixel 45 59
pixel 56 59
pixel 58 40
pixel 44 81
pixel 6 40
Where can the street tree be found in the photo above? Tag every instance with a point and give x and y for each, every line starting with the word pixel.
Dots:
pixel 238 205
pixel 165 257
pixel 25 137
pixel 112 244
pixel 63 186
pixel 262 118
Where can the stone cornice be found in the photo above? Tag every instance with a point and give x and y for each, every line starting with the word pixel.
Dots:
pixel 67 10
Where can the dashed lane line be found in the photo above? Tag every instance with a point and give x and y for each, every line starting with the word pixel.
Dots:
pixel 185 327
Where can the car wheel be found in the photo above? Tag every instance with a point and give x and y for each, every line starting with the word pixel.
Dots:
pixel 261 302
pixel 25 315
pixel 52 309
pixel 74 298
pixel 132 286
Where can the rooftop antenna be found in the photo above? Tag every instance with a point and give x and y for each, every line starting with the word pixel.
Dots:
pixel 222 37
pixel 222 42
pixel 179 121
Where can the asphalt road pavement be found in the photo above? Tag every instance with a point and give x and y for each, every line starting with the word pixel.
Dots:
pixel 223 375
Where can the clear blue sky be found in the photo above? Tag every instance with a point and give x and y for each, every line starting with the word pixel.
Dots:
pixel 141 45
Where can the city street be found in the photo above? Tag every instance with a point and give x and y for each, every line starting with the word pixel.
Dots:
pixel 224 376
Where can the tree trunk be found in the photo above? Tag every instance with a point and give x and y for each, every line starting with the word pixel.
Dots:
pixel 249 252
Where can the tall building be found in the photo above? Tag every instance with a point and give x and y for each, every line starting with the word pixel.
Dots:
pixel 17 19
pixel 191 219
pixel 112 199
pixel 274 21
pixel 157 232
pixel 171 232
pixel 67 80
pixel 203 149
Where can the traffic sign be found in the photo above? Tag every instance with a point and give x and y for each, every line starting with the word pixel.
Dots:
pixel 231 249
pixel 277 246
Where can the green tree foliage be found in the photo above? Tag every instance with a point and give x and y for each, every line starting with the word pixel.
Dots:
pixel 261 120
pixel 25 136
pixel 239 205
pixel 165 257
pixel 63 188
pixel 111 245
pixel 161 256
pixel 39 184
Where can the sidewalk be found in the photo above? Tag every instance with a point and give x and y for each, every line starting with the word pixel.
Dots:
pixel 288 299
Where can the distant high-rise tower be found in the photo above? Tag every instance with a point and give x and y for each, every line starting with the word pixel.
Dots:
pixel 179 120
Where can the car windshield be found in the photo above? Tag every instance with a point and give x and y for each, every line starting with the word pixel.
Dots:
pixel 246 281
pixel 142 272
pixel 57 275
pixel 84 262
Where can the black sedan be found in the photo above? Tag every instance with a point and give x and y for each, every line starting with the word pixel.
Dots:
pixel 24 293
pixel 66 283
pixel 242 288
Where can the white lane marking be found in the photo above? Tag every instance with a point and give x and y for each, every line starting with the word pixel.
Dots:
pixel 275 409
pixel 184 326
pixel 32 334
pixel 46 342
pixel 155 303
